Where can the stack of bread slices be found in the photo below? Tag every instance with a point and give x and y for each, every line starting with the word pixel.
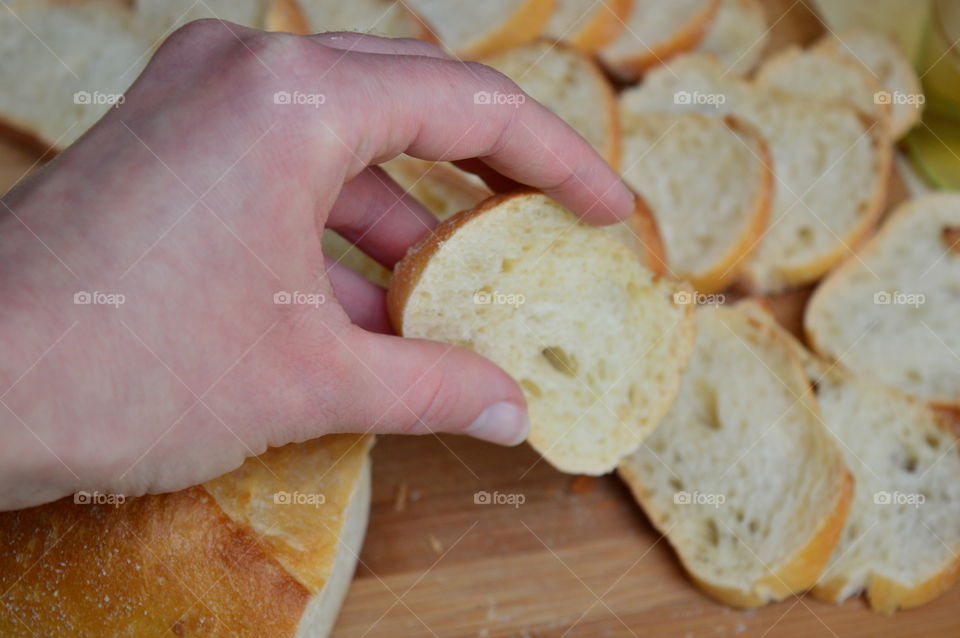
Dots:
pixel 772 465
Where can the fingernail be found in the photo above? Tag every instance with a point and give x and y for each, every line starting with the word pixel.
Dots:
pixel 504 423
pixel 628 201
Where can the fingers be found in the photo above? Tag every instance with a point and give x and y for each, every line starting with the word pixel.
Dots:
pixel 363 301
pixel 447 110
pixel 412 386
pixel 365 43
pixel 379 217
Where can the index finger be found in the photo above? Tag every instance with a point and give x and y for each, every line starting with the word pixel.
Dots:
pixel 439 109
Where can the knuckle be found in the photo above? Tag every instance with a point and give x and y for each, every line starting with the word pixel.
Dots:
pixel 203 32
pixel 434 405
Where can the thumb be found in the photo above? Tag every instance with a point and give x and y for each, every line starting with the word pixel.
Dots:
pixel 393 385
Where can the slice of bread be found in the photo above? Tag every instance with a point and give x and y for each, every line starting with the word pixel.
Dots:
pixel 571 85
pixel 830 165
pixel 740 476
pixel 890 65
pixel 475 29
pixel 655 31
pixel 64 66
pixel 594 339
pixel 738 35
pixel 387 18
pixel 440 187
pixel 588 25
pixel 271 547
pixel 709 185
pixel 891 312
pixel 161 17
pixel 822 75
pixel 902 538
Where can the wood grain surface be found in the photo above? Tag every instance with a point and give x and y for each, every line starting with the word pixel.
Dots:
pixel 576 557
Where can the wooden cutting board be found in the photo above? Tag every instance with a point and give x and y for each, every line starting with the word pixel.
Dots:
pixel 572 556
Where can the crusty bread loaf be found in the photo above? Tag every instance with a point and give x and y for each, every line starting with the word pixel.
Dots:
pixel 266 550
pixel 571 85
pixel 475 29
pixel 387 18
pixel 740 476
pixel 655 31
pixel 830 165
pixel 161 17
pixel 890 65
pixel 594 339
pixel 440 187
pixel 709 185
pixel 823 75
pixel 588 24
pixel 902 537
pixel 64 66
pixel 738 35
pixel 890 313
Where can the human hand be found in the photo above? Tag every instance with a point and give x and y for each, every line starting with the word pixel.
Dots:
pixel 197 203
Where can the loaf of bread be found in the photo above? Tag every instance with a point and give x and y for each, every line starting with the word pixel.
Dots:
pixel 596 342
pixel 266 550
pixel 161 17
pixel 890 313
pixel 741 476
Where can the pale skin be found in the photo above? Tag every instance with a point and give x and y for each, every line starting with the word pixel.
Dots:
pixel 198 199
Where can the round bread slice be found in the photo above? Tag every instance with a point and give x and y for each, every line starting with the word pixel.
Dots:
pixel 738 35
pixel 655 31
pixel 475 29
pixel 902 538
pixel 596 342
pixel 890 313
pixel 588 25
pixel 830 163
pixel 64 66
pixel 820 74
pixel 709 185
pixel 387 18
pixel 571 85
pixel 271 547
pixel 161 17
pixel 741 476
pixel 890 65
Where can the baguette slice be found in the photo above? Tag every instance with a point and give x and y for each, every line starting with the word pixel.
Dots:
pixel 902 552
pixel 822 75
pixel 571 85
pixel 709 185
pixel 594 339
pixel 388 18
pixel 830 165
pixel 890 65
pixel 738 35
pixel 588 25
pixel 64 66
pixel 262 567
pixel 163 17
pixel 740 476
pixel 441 188
pixel 655 31
pixel 476 29
pixel 891 313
